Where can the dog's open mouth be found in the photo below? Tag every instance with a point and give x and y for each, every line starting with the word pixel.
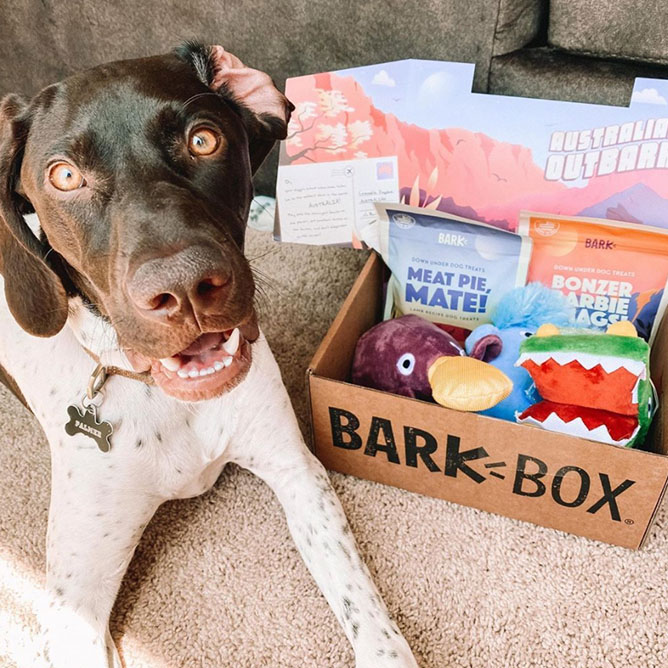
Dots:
pixel 212 364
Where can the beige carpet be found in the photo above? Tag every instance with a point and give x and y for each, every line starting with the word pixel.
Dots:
pixel 217 583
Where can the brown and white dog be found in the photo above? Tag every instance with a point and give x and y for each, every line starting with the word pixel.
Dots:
pixel 139 173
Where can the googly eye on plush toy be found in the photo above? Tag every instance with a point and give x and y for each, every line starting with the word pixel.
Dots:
pixel 406 364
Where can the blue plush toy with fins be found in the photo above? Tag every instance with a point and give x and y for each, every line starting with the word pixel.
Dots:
pixel 518 315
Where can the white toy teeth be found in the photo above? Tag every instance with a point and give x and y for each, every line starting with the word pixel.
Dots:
pixel 588 361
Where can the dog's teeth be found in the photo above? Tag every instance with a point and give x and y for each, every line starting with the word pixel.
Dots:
pixel 182 373
pixel 193 374
pixel 230 346
pixel 209 371
pixel 227 361
pixel 171 363
pixel 218 365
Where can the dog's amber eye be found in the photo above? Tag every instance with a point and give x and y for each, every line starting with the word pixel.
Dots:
pixel 203 141
pixel 66 177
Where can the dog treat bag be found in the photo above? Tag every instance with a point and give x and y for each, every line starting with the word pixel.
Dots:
pixel 447 269
pixel 609 270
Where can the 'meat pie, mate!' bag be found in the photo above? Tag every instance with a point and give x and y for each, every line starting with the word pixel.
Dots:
pixel 447 269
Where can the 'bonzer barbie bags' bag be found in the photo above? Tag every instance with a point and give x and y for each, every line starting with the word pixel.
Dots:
pixel 609 270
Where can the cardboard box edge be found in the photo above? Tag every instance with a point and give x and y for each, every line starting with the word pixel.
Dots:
pixel 368 267
pixel 655 512
pixel 309 400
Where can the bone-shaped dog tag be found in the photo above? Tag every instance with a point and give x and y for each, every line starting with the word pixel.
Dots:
pixel 87 423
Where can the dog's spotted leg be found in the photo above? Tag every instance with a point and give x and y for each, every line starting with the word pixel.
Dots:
pixel 96 517
pixel 272 447
pixel 324 539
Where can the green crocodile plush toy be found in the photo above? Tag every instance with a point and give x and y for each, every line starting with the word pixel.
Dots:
pixel 594 385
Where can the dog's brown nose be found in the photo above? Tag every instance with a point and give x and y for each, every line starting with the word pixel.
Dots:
pixel 192 280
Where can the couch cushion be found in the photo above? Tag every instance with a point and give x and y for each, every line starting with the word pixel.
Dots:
pixel 551 74
pixel 41 42
pixel 611 28
pixel 518 24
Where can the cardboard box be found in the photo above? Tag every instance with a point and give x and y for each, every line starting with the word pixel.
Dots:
pixel 590 489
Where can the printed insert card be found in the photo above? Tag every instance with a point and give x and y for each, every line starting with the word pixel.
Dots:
pixel 412 131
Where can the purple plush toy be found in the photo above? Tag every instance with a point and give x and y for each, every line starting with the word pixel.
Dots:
pixel 413 357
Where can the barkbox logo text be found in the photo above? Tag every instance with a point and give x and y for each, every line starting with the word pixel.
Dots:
pixel 529 475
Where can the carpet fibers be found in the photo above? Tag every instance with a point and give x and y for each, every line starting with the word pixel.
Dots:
pixel 217 583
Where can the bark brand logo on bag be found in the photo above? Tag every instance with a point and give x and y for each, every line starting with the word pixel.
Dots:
pixel 451 239
pixel 530 475
pixel 602 244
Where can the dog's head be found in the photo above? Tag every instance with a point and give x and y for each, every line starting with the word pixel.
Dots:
pixel 140 174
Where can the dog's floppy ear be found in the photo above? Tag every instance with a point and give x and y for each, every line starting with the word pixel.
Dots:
pixel 264 109
pixel 34 292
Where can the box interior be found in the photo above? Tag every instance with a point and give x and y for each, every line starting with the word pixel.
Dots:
pixel 363 308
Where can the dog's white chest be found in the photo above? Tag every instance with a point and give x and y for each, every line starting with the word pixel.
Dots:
pixel 170 448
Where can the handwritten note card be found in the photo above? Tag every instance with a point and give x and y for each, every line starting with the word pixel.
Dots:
pixel 332 202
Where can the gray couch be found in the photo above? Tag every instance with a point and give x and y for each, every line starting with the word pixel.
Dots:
pixel 586 50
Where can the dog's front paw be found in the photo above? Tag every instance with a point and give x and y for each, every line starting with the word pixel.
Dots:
pixel 74 652
pixel 64 652
pixel 112 652
pixel 70 642
pixel 389 654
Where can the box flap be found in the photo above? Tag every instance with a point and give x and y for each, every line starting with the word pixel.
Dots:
pixel 359 312
pixel 590 489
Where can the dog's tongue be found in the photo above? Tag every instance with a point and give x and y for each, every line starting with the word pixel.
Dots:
pixel 204 342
